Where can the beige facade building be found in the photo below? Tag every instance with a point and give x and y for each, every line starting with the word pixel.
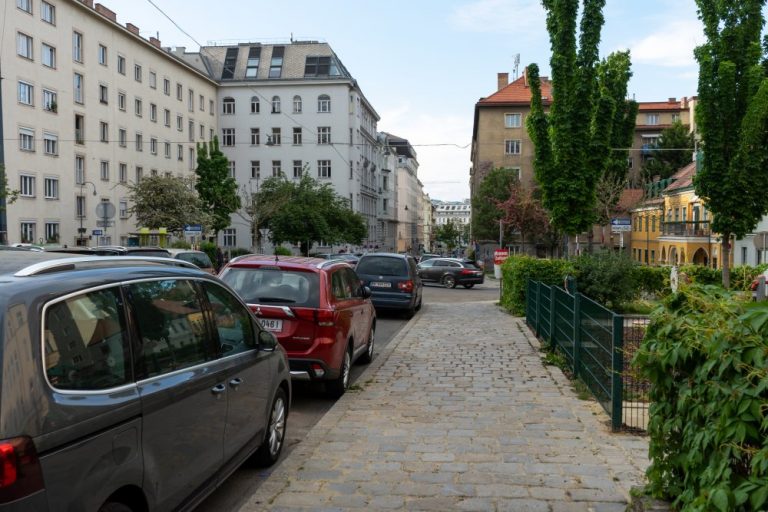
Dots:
pixel 88 107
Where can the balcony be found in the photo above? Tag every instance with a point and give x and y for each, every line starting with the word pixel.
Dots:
pixel 695 228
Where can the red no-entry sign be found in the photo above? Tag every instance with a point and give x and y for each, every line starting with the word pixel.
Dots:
pixel 499 255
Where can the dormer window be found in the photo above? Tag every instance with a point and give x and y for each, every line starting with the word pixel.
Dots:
pixel 276 65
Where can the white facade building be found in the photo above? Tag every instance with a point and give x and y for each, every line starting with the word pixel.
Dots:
pixel 409 192
pixel 89 106
pixel 459 213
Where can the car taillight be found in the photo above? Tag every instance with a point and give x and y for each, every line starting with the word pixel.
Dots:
pixel 466 271
pixel 20 472
pixel 406 286
pixel 325 317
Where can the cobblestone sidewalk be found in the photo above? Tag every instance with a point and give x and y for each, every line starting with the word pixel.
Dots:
pixel 459 413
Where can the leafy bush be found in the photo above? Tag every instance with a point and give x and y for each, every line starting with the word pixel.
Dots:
pixel 237 251
pixel 651 280
pixel 180 244
pixel 282 251
pixel 705 354
pixel 606 277
pixel 209 248
pixel 518 269
pixel 699 274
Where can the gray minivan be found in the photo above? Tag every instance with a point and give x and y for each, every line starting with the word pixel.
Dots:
pixel 129 384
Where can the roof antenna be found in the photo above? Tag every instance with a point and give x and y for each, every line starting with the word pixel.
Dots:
pixel 291 37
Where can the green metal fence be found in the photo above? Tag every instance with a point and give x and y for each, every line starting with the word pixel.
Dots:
pixel 591 338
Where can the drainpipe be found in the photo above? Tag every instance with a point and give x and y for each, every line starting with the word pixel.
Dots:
pixel 3 204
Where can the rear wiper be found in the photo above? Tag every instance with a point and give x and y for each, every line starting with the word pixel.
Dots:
pixel 275 299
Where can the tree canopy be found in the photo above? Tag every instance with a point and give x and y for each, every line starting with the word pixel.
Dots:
pixel 308 213
pixel 732 115
pixel 523 212
pixel 448 234
pixel 589 119
pixel 167 201
pixel 673 152
pixel 485 210
pixel 217 189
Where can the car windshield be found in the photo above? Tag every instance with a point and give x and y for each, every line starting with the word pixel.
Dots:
pixel 383 266
pixel 196 258
pixel 274 286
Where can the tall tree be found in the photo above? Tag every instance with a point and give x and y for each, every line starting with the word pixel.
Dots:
pixel 523 212
pixel 589 116
pixel 673 152
pixel 310 212
pixel 732 116
pixel 167 201
pixel 448 234
pixel 217 189
pixel 485 210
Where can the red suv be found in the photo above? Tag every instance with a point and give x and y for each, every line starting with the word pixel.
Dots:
pixel 317 308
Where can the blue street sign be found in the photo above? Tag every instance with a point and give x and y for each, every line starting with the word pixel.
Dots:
pixel 97 232
pixel 621 222
pixel 193 227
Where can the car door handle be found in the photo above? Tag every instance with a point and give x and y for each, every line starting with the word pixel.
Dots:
pixel 218 389
pixel 235 382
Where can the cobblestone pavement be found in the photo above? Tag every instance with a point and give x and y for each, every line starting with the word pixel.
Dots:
pixel 459 413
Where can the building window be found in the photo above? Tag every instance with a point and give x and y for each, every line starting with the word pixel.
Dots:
pixel 121 64
pixel 191 130
pixel 77 46
pixel 102 55
pixel 277 168
pixel 512 120
pixel 49 56
pixel 103 131
pixel 103 94
pixel 79 170
pixel 324 135
pixel 138 106
pixel 297 104
pixel 48 13
pixel 231 167
pixel 104 170
pixel 651 119
pixel 298 168
pixel 122 173
pixel 276 137
pixel 79 129
pixel 180 123
pixel 52 232
pixel 26 186
pixel 51 186
pixel 228 137
pixel 202 103
pixel 121 101
pixel 512 147
pixel 323 168
pixel 275 104
pixel 255 169
pixel 166 87
pixel 139 173
pixel 137 72
pixel 167 149
pixel 27 232
pixel 153 112
pixel 123 209
pixel 255 137
pixel 297 136
pixel 675 118
pixel 323 103
pixel 78 88
pixel 191 100
pixel 50 101
pixel 276 64
pixel 228 106
pixel 50 144
pixel 139 142
pixel 153 145
pixel 26 93
pixel 743 255
pixel 24 5
pixel 202 131
pixel 179 91
pixel 192 160
pixel 252 65
pixel 230 237
pixel 24 46
pixel 153 80
pixel 180 152
pixel 167 117
pixel 230 62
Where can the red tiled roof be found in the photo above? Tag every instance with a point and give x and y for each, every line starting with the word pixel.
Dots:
pixel 630 198
pixel 683 178
pixel 650 106
pixel 518 92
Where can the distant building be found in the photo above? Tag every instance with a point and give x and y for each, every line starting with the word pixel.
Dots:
pixel 409 191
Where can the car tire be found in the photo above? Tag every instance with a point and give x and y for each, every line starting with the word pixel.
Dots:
pixel 367 357
pixel 449 281
pixel 338 386
pixel 115 506
pixel 418 306
pixel 468 286
pixel 270 449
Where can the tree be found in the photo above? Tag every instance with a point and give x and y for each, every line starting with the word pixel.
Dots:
pixel 217 189
pixel 589 116
pixel 7 195
pixel 485 211
pixel 732 116
pixel 448 234
pixel 259 207
pixel 310 212
pixel 167 201
pixel 671 153
pixel 523 212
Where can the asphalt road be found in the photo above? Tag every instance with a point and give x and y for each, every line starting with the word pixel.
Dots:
pixel 310 404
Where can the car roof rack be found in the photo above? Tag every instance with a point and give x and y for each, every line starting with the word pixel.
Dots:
pixel 89 262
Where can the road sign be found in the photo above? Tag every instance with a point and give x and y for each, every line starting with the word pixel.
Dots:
pixel 105 223
pixel 105 210
pixel 193 227
pixel 620 225
pixel 500 255
pixel 97 232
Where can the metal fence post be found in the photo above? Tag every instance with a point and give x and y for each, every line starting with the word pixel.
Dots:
pixel 617 367
pixel 538 307
pixel 576 334
pixel 552 306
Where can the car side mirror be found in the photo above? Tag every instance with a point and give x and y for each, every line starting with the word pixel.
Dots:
pixel 267 340
pixel 366 292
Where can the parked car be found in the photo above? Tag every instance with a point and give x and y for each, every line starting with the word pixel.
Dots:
pixel 318 310
pixel 129 384
pixel 451 271
pixel 346 256
pixel 427 256
pixel 394 281
pixel 198 258
pixel 118 250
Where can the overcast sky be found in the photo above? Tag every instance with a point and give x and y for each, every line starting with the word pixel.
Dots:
pixel 423 64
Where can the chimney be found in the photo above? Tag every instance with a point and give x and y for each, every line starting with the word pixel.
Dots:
pixel 503 81
pixel 179 50
pixel 89 3
pixel 525 76
pixel 673 100
pixel 155 42
pixel 106 12
pixel 132 28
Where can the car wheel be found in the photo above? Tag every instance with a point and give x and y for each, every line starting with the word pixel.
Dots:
pixel 449 282
pixel 115 506
pixel 368 356
pixel 468 286
pixel 270 449
pixel 340 384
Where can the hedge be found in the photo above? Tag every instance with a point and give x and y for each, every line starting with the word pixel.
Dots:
pixel 518 269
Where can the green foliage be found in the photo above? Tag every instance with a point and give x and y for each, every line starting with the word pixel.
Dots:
pixel 518 269
pixel 702 275
pixel 180 244
pixel 673 151
pixel 485 210
pixel 705 355
pixel 166 201
pixel 6 193
pixel 448 234
pixel 238 251
pixel 209 248
pixel 217 189
pixel 282 251
pixel 651 280
pixel 606 277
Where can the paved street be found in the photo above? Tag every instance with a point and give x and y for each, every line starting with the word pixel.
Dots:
pixel 458 413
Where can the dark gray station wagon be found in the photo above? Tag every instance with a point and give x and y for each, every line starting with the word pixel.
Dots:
pixel 129 384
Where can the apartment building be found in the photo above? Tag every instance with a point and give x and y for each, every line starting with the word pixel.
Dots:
pixel 409 191
pixel 88 107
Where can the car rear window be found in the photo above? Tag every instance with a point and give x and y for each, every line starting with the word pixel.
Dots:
pixel 471 264
pixel 383 266
pixel 275 286
pixel 196 258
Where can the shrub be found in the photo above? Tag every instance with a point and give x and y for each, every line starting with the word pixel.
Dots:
pixel 651 280
pixel 606 277
pixel 180 244
pixel 699 274
pixel 518 269
pixel 282 251
pixel 209 248
pixel 705 355
pixel 237 251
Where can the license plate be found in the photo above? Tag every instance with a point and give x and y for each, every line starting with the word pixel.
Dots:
pixel 381 284
pixel 271 324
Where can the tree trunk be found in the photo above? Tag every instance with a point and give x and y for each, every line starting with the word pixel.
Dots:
pixel 726 260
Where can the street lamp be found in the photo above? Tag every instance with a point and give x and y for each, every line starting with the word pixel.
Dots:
pixel 81 229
